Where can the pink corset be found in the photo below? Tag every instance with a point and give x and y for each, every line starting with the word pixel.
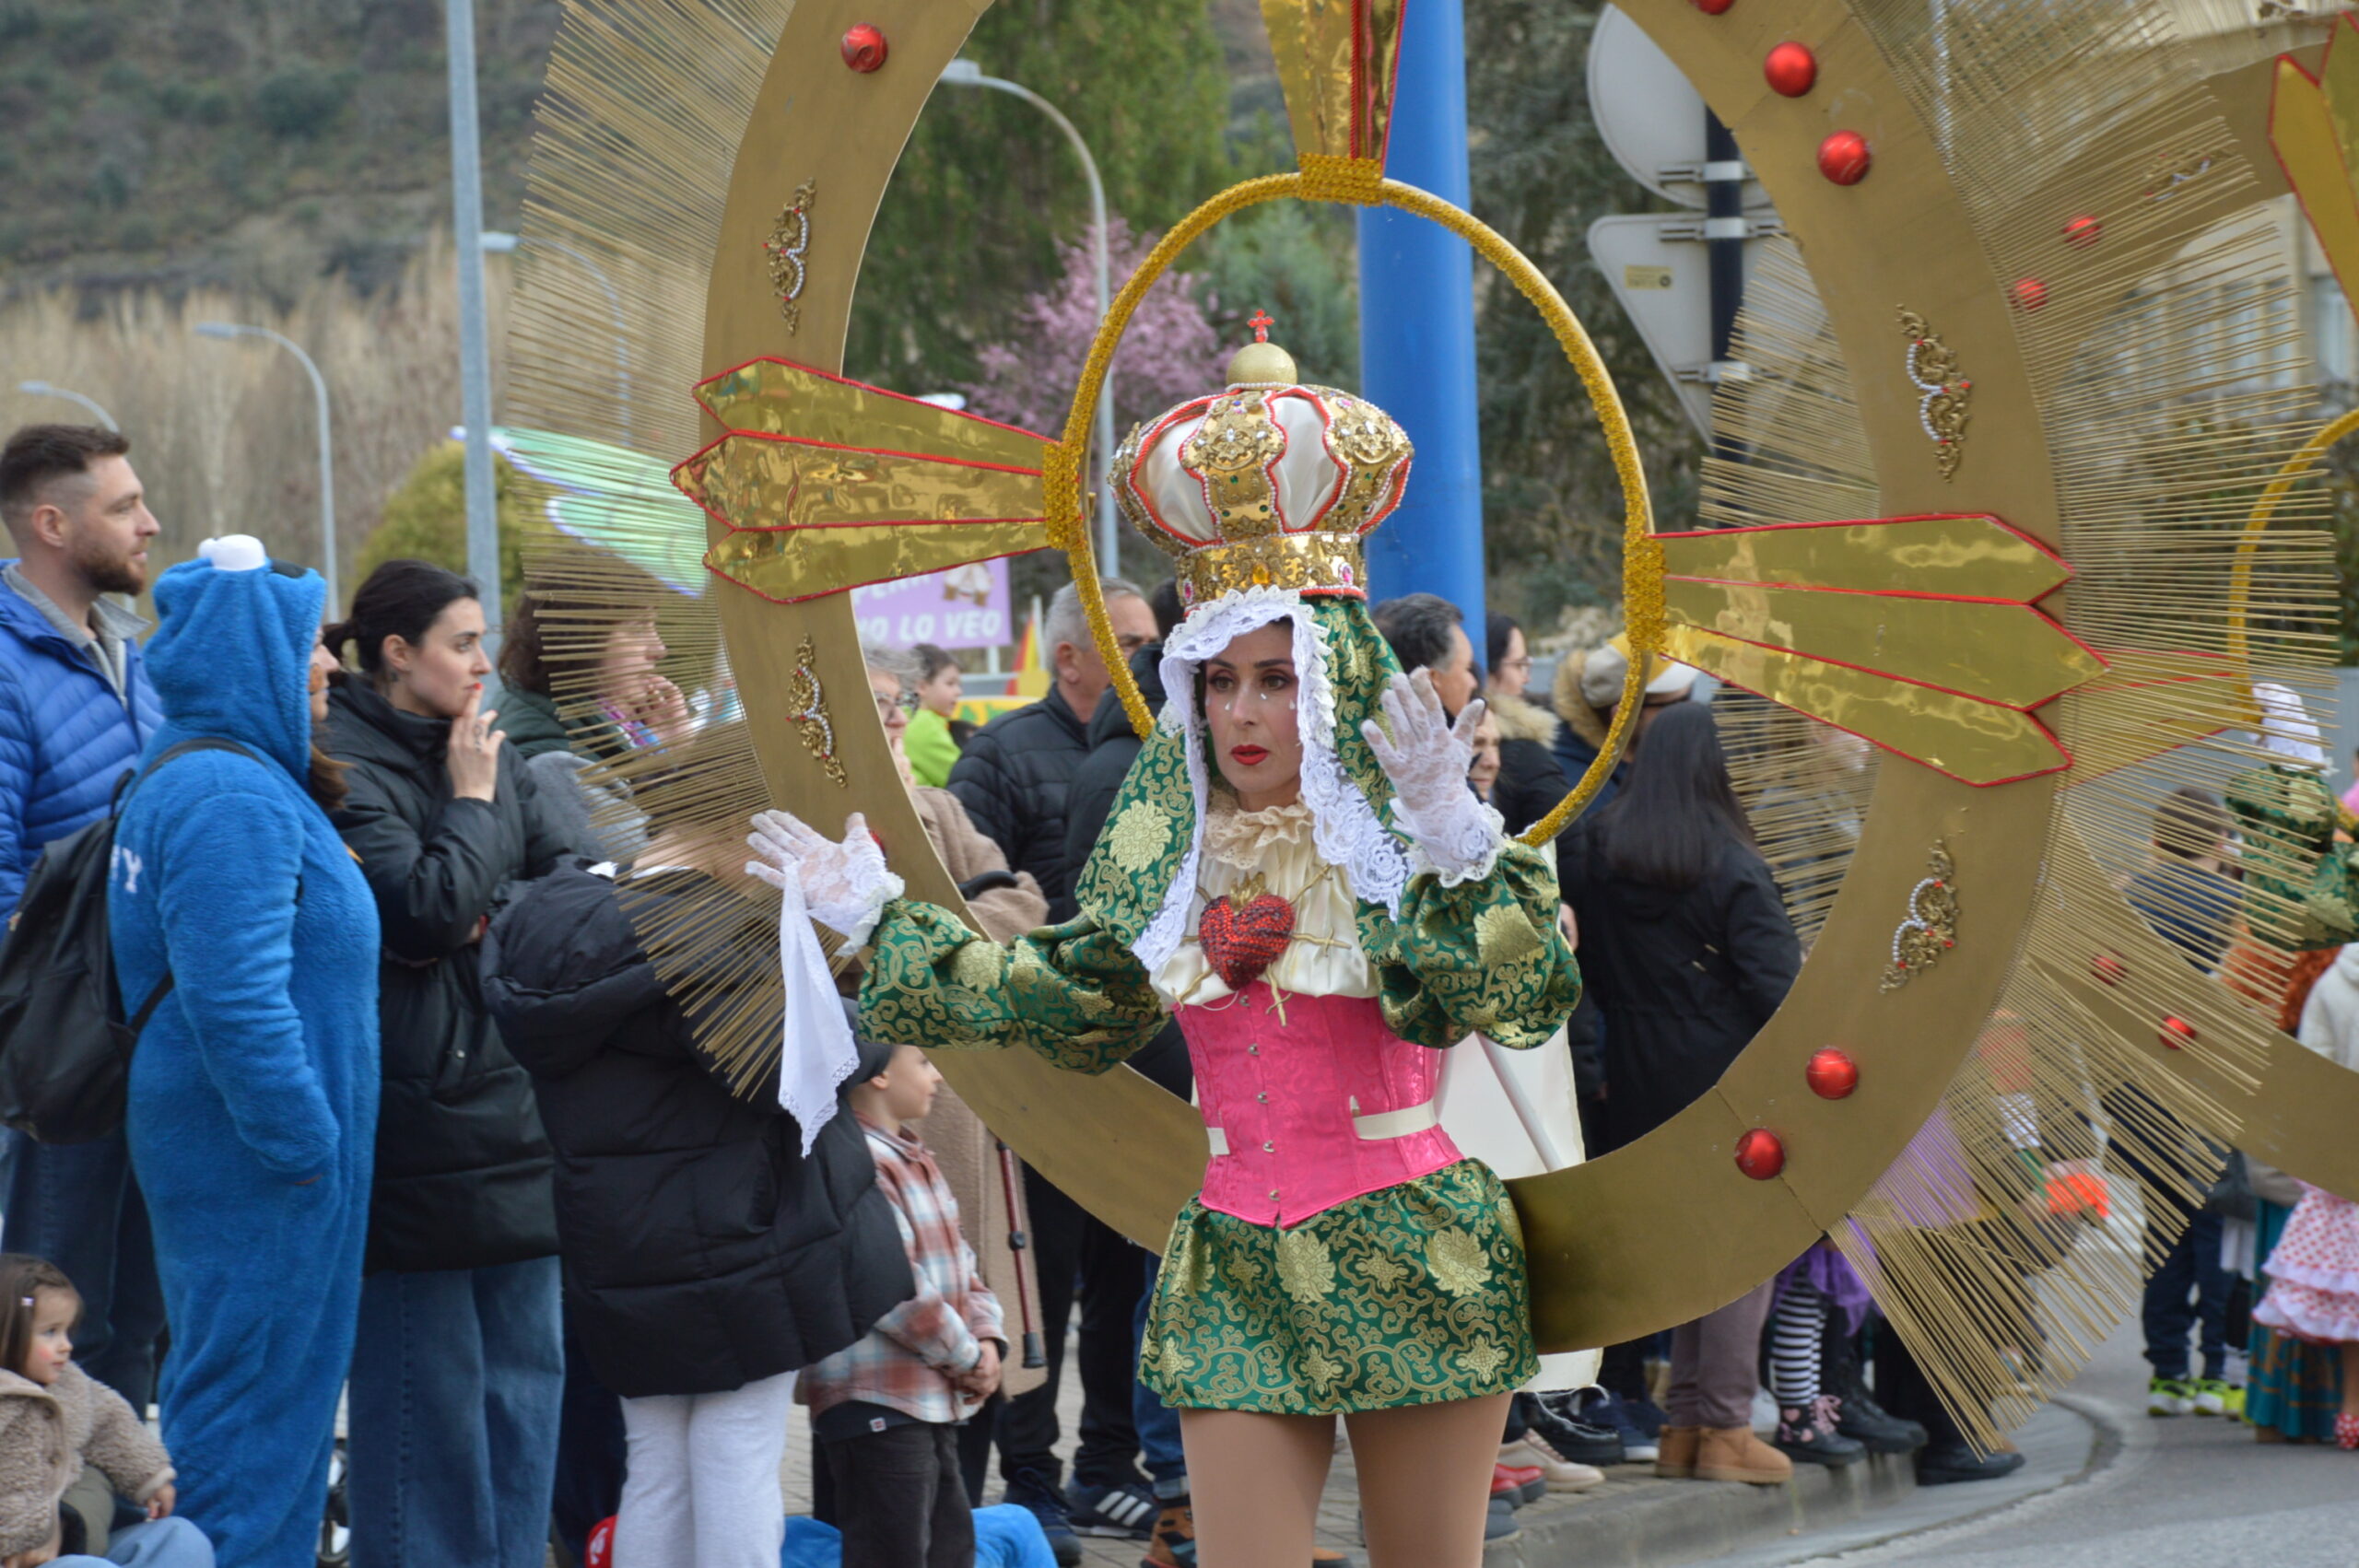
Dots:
pixel 1308 1114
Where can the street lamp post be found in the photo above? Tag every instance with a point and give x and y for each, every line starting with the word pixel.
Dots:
pixel 966 74
pixel 42 389
pixel 226 330
pixel 474 333
pixel 497 243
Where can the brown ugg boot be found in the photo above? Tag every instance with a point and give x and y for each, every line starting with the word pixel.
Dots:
pixel 1675 1452
pixel 1733 1453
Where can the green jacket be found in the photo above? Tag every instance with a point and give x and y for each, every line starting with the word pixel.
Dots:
pixel 531 723
pixel 931 750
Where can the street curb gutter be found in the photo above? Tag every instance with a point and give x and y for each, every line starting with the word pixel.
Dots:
pixel 1639 1521
pixel 1635 1521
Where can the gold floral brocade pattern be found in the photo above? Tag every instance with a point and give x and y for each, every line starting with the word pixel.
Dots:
pixel 1409 1296
pixel 788 250
pixel 1931 929
pixel 1933 370
pixel 807 704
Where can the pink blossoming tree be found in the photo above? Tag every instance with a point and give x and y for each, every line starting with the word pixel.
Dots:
pixel 1169 352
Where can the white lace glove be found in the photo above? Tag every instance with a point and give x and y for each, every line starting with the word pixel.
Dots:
pixel 847 886
pixel 2286 730
pixel 843 885
pixel 1426 757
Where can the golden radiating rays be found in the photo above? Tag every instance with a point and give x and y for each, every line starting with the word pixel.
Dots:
pixel 2171 389
pixel 2313 128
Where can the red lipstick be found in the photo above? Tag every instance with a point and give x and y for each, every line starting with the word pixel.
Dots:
pixel 1250 755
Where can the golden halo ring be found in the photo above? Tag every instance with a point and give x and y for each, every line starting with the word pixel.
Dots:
pixel 1642 566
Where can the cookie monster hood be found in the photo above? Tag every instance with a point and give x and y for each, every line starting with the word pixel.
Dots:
pixel 233 656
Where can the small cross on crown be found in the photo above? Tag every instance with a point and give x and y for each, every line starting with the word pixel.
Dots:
pixel 1261 321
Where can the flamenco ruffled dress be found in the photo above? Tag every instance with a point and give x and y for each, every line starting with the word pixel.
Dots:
pixel 2314 1272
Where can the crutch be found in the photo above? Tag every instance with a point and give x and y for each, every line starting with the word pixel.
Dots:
pixel 1011 1182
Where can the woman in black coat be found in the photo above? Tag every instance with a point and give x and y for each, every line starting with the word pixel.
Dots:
pixel 456 1373
pixel 706 1258
pixel 1685 939
pixel 1688 948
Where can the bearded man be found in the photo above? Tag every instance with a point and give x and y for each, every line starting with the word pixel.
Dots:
pixel 74 710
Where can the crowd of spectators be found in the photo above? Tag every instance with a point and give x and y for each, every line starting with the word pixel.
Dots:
pixel 418 1132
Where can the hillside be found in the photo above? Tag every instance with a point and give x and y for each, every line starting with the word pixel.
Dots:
pixel 261 143
pixel 246 143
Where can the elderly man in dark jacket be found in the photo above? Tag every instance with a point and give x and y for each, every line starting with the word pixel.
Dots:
pixel 1014 778
pixel 706 1258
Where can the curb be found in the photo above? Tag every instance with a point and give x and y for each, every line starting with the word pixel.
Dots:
pixel 1638 1520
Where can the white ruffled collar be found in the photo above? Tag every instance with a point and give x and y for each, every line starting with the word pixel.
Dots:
pixel 1243 839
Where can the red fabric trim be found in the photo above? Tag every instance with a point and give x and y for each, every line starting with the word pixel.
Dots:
pixel 865 386
pixel 1896 593
pixel 1147 443
pixel 2034 543
pixel 2276 79
pixel 2062 750
pixel 1887 674
pixel 801 598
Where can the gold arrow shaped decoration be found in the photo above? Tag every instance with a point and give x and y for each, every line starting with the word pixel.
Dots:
pixel 2314 129
pixel 1337 61
pixel 1919 634
pixel 824 484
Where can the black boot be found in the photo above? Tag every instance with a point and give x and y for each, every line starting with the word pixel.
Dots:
pixel 1954 1462
pixel 1573 1439
pixel 1858 1416
pixel 1807 1436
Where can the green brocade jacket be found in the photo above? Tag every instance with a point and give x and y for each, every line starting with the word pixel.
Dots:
pixel 1484 957
pixel 2290 859
pixel 1411 1293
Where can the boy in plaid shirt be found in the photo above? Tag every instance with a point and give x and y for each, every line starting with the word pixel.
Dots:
pixel 886 1410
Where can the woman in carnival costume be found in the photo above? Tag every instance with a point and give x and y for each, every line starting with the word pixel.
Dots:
pixel 1297 867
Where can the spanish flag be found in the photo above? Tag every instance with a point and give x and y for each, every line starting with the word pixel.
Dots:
pixel 1032 675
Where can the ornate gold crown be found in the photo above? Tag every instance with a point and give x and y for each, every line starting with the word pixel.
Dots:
pixel 1267 484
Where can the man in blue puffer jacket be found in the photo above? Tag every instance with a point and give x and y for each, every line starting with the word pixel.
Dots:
pixel 74 709
pixel 254 1092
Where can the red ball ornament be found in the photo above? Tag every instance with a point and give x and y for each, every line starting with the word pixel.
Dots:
pixel 865 48
pixel 1843 158
pixel 2030 294
pixel 1759 1154
pixel 1832 1074
pixel 2083 232
pixel 2178 1034
pixel 1791 69
pixel 2108 969
pixel 1714 8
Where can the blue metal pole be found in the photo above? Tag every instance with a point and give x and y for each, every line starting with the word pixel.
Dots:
pixel 1417 329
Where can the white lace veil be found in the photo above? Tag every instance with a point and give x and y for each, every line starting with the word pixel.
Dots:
pixel 1344 825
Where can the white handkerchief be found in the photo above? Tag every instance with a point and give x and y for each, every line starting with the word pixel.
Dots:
pixel 817 1053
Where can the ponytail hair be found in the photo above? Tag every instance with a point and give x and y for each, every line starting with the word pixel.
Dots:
pixel 22 1279
pixel 400 598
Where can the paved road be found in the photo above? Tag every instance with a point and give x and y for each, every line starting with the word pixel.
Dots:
pixel 2108 1486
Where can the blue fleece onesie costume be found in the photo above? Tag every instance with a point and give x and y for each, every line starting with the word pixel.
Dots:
pixel 254 1091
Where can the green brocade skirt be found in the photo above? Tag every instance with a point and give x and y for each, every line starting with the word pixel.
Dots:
pixel 1409 1296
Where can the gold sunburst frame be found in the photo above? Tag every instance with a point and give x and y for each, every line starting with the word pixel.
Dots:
pixel 1357 182
pixel 678 130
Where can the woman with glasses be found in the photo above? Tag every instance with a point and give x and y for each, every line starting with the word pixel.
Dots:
pixel 1531 780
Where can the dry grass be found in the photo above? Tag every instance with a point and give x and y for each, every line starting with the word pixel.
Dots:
pixel 222 433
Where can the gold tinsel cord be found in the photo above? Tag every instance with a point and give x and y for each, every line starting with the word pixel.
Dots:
pixel 2171 395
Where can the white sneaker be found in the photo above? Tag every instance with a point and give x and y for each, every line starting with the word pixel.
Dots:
pixel 1561 1474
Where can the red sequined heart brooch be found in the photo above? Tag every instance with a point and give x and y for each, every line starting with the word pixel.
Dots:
pixel 1242 942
